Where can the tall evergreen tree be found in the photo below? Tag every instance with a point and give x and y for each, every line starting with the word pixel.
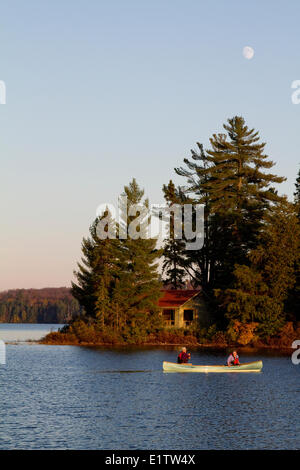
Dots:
pixel 97 273
pixel 261 288
pixel 238 188
pixel 139 287
pixel 200 263
pixel 117 279
pixel 231 181
pixel 174 249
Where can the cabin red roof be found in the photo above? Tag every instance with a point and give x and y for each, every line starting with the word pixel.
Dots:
pixel 175 298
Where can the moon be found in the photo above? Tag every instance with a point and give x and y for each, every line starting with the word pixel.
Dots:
pixel 248 52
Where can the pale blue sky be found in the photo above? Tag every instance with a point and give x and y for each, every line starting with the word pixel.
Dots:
pixel 101 91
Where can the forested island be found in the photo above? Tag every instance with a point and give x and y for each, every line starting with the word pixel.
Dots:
pixel 248 267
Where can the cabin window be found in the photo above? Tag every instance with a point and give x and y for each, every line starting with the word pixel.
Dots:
pixel 188 316
pixel 169 316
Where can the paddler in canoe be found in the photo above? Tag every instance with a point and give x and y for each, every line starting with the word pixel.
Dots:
pixel 233 365
pixel 183 356
pixel 233 359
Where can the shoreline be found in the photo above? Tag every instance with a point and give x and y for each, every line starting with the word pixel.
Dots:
pixel 168 339
pixel 175 346
pixel 80 333
pixel 211 346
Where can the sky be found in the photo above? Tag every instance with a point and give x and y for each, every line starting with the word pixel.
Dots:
pixel 98 92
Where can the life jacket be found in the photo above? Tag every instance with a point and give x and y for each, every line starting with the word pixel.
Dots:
pixel 184 359
pixel 236 361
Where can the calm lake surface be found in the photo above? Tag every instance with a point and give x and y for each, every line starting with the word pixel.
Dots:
pixel 67 397
pixel 17 332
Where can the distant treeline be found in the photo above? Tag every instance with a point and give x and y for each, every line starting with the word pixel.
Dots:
pixel 49 305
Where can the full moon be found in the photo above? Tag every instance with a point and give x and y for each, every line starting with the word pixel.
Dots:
pixel 248 52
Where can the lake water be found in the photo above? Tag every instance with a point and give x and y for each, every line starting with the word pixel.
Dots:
pixel 68 397
pixel 17 332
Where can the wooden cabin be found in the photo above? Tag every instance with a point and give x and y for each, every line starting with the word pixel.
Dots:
pixel 183 308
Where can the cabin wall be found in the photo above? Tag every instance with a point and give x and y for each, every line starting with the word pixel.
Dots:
pixel 200 313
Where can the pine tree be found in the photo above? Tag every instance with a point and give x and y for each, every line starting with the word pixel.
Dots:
pixel 96 274
pixel 174 249
pixel 139 288
pixel 200 263
pixel 239 190
pixel 230 180
pixel 117 279
pixel 261 288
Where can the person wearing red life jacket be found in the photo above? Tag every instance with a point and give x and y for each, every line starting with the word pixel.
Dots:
pixel 233 359
pixel 183 356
